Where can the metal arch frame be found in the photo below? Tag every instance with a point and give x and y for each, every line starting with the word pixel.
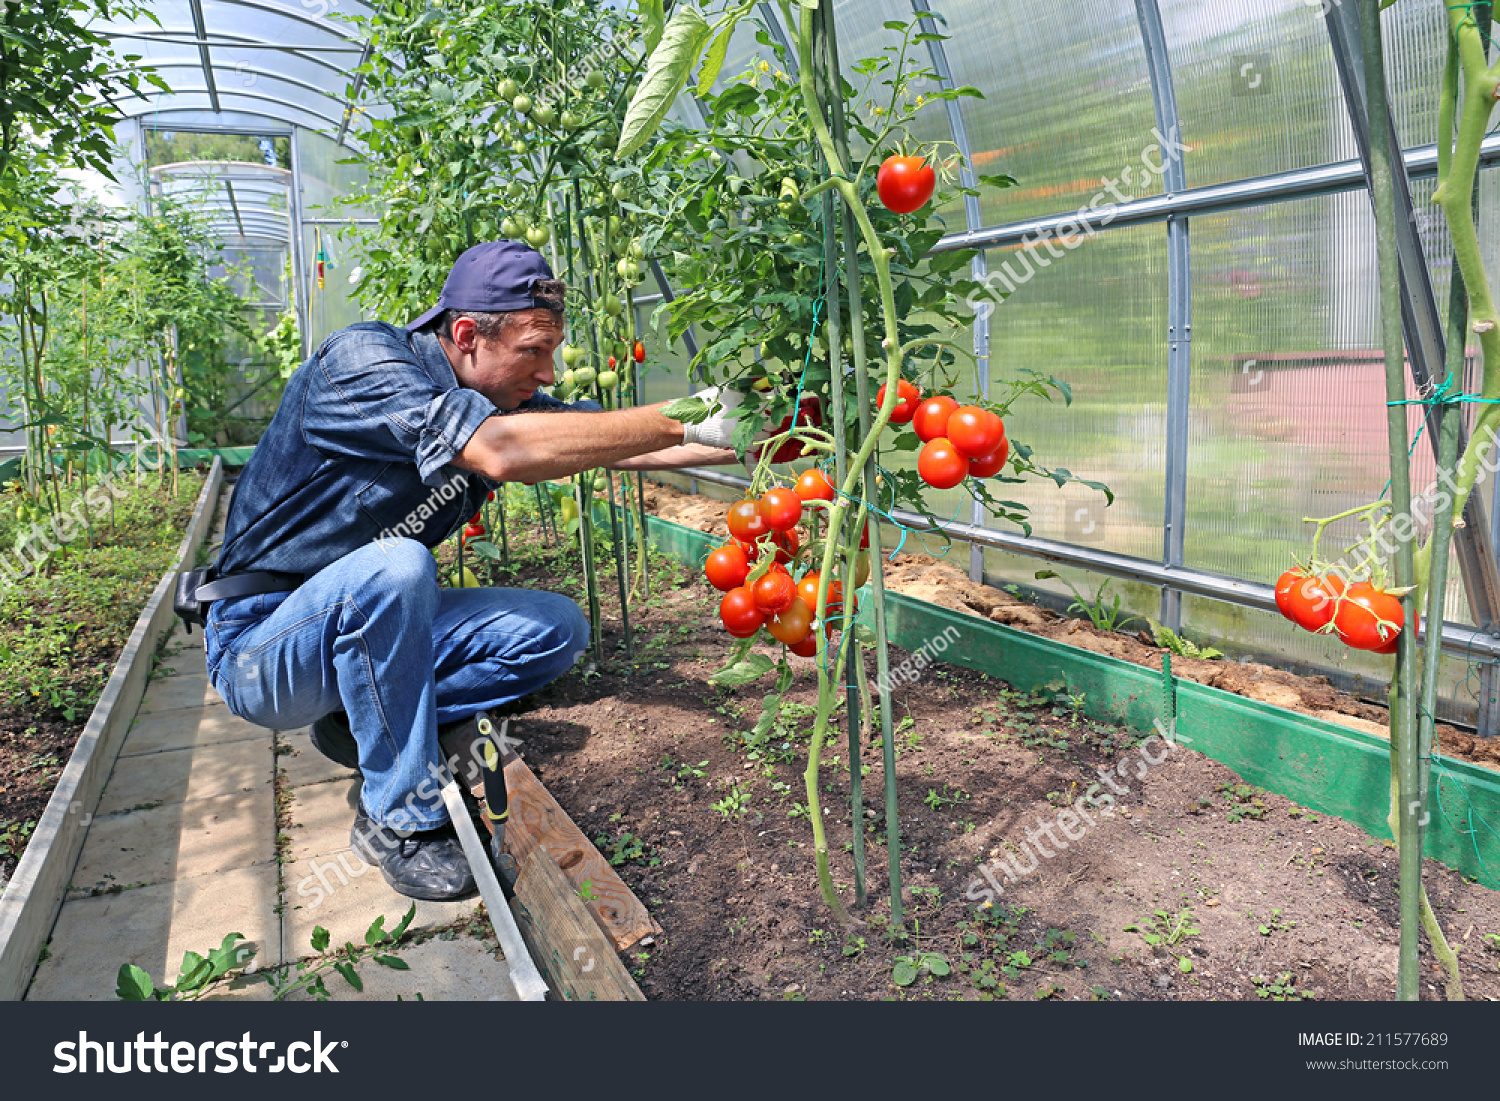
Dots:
pixel 213 91
pixel 205 59
pixel 972 220
pixel 359 83
pixel 1179 306
pixel 235 42
pixel 332 29
pixel 152 107
pixel 301 293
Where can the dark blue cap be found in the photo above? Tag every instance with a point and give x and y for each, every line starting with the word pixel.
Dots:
pixel 491 277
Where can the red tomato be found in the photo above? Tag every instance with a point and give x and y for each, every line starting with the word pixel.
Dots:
pixel 974 432
pixel 774 593
pixel 908 397
pixel 940 464
pixel 813 485
pixel 905 183
pixel 1368 617
pixel 780 508
pixel 476 519
pixel 1312 601
pixel 745 521
pixel 931 417
pixel 1284 585
pixel 807 648
pixel 990 465
pixel 473 531
pixel 492 495
pixel 639 352
pixel 740 615
pixel 792 625
pixel 727 567
pixel 611 363
pixel 807 592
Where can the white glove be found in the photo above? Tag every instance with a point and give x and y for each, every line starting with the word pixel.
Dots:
pixel 717 430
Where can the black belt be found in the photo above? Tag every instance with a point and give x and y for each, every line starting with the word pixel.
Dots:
pixel 197 589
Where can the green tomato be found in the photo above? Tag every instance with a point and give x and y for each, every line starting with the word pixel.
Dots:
pixel 600 483
pixel 573 355
pixel 537 236
pixel 509 89
pixel 608 379
pixel 515 189
pixel 544 115
pixel 616 227
pixel 789 189
pixel 796 240
pixel 568 511
pixel 567 377
pixel 571 121
pixel 786 207
pixel 512 228
pixel 596 80
pixel 583 376
pixel 612 305
pixel 522 104
pixel 520 146
pixel 637 251
pixel 620 192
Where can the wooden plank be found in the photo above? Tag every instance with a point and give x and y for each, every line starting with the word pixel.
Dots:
pixel 536 821
pixel 34 895
pixel 576 957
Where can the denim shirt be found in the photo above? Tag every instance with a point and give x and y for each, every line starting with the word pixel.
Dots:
pixel 360 449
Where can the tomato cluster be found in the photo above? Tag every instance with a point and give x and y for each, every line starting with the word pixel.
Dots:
pixel 773 600
pixel 959 441
pixel 1364 617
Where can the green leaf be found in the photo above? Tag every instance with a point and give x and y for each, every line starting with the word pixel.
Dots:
pixel 667 74
pixel 320 938
pixel 376 933
pixel 406 920
pixel 1184 965
pixel 351 976
pixel 484 548
pixel 134 985
pixel 653 15
pixel 688 410
pixel 188 976
pixel 752 668
pixel 937 964
pixel 714 61
pixel 395 963
pixel 904 973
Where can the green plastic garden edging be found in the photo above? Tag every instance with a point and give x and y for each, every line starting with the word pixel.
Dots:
pixel 1329 768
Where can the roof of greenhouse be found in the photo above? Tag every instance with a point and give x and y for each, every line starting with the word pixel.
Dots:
pixel 241 64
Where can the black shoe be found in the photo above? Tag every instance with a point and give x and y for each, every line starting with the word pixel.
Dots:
pixel 332 737
pixel 429 864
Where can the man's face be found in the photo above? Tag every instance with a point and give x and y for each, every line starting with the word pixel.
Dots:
pixel 510 368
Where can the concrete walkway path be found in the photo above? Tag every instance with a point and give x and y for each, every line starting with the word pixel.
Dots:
pixel 209 825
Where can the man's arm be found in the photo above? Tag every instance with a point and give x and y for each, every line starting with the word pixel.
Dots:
pixel 535 447
pixel 677 458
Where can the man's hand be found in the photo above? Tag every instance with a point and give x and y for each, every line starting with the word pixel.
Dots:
pixel 718 428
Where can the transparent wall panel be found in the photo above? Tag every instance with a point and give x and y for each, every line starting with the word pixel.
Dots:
pixel 1414 36
pixel 1257 89
pixel 664 375
pixel 325 180
pixel 332 306
pixel 1288 406
pixel 1096 318
pixel 1067 102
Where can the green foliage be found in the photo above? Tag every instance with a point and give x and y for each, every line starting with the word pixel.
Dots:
pixel 1170 640
pixel 1282 988
pixel 1104 617
pixel 198 972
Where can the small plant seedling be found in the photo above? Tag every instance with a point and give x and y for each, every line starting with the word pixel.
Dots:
pixel 908 968
pixel 1283 988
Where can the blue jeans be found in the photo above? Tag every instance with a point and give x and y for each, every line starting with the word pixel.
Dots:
pixel 374 635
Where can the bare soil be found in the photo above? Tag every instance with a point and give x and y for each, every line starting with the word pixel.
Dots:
pixel 84 603
pixel 1190 886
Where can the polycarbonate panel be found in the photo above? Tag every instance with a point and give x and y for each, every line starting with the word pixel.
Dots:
pixel 1067 102
pixel 1257 89
pixel 665 374
pixel 325 180
pixel 331 306
pixel 1288 404
pixel 1414 37
pixel 1095 317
